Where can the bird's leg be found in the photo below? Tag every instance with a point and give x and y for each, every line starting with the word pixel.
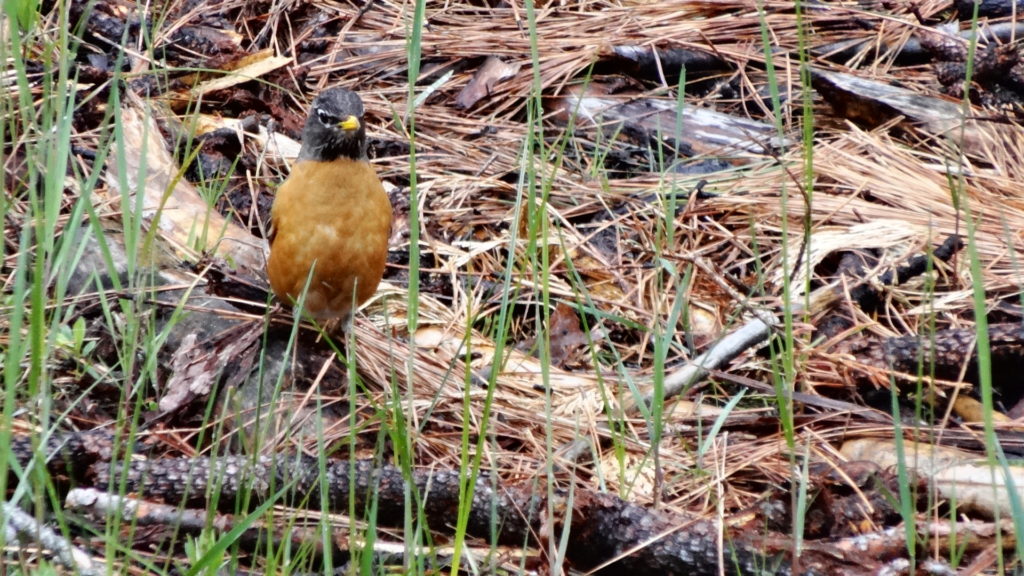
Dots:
pixel 338 328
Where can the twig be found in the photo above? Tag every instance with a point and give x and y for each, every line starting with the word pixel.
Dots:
pixel 22 529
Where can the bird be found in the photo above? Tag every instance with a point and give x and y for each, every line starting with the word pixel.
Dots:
pixel 331 218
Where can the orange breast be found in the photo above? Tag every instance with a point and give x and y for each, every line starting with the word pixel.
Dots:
pixel 332 221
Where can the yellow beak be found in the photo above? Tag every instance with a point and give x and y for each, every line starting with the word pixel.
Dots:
pixel 349 124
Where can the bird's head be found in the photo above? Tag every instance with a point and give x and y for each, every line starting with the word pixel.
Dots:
pixel 334 128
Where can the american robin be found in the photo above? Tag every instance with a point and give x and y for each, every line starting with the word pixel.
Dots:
pixel 331 218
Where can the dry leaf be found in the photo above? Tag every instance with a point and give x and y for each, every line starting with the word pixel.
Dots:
pixel 494 70
pixel 246 68
pixel 565 334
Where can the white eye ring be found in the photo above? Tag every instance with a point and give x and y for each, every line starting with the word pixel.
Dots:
pixel 326 118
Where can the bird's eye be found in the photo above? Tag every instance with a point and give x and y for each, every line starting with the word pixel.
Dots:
pixel 326 118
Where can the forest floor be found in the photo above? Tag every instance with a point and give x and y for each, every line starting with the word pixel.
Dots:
pixel 727 261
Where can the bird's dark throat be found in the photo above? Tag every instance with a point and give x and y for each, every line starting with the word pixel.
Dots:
pixel 332 146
